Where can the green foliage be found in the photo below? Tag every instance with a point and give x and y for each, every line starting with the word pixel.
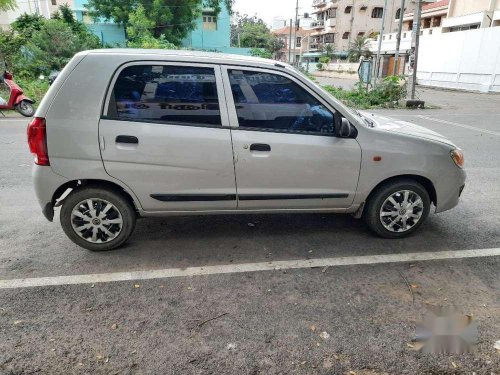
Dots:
pixel 385 94
pixel 171 18
pixel 358 48
pixel 150 42
pixel 52 47
pixel 329 50
pixel 324 60
pixel 33 88
pixel 37 45
pixel 10 43
pixel 259 52
pixel 7 5
pixel 65 14
pixel 139 32
pixel 26 24
pixel 252 32
pixel 255 35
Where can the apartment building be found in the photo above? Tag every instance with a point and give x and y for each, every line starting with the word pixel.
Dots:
pixel 472 14
pixel 338 22
pixel 295 46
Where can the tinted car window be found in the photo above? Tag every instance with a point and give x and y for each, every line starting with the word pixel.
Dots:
pixel 170 94
pixel 273 102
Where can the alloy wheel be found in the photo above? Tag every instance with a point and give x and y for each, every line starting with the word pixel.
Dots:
pixel 96 220
pixel 401 211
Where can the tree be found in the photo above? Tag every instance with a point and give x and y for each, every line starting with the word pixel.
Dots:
pixel 139 32
pixel 329 50
pixel 6 5
pixel 65 14
pixel 358 48
pixel 26 24
pixel 51 47
pixel 171 18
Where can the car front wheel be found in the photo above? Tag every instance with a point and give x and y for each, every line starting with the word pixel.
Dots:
pixel 97 219
pixel 397 209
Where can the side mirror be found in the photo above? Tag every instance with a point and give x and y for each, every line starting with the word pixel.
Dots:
pixel 346 130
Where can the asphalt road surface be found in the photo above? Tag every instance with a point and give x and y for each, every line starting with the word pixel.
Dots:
pixel 162 316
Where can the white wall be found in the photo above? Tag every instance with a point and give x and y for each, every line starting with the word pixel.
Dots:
pixel 467 60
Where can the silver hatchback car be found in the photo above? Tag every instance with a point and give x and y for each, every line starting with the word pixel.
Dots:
pixel 123 134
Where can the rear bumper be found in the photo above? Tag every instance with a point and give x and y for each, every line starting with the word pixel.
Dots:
pixel 45 183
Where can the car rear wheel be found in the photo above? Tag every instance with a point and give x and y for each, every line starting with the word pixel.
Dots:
pixel 97 219
pixel 397 209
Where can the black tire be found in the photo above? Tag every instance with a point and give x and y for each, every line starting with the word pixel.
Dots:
pixel 379 196
pixel 26 108
pixel 120 203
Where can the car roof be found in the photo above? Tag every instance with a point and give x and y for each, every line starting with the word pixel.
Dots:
pixel 189 56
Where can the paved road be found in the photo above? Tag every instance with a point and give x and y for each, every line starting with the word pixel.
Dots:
pixel 367 310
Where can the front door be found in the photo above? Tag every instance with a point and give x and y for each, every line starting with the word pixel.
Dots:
pixel 163 135
pixel 286 152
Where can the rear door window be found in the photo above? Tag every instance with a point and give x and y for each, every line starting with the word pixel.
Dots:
pixel 166 94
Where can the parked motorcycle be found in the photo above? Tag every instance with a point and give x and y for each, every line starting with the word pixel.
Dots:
pixel 14 98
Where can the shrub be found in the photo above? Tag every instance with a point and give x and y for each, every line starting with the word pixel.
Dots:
pixel 385 94
pixel 260 52
pixel 33 88
pixel 324 60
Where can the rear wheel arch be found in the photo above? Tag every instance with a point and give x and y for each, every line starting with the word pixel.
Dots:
pixel 64 190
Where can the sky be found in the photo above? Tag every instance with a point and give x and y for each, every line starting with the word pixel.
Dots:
pixel 268 9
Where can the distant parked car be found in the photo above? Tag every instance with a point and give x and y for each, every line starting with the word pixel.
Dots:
pixel 135 133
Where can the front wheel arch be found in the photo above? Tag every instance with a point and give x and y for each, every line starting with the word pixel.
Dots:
pixel 425 182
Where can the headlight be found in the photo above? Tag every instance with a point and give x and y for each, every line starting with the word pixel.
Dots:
pixel 458 157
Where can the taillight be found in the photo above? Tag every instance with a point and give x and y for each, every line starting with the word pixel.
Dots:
pixel 37 140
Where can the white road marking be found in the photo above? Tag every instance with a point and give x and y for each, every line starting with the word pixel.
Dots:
pixel 246 267
pixel 460 125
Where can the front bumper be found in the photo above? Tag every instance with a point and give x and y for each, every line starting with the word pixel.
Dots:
pixel 448 197
pixel 45 183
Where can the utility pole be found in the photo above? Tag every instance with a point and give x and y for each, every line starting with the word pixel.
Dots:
pixel 377 62
pixel 295 30
pixel 290 43
pixel 415 40
pixel 398 39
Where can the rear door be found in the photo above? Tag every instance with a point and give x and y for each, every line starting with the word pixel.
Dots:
pixel 287 155
pixel 165 134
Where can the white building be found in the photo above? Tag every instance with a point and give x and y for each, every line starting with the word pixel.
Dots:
pixel 42 7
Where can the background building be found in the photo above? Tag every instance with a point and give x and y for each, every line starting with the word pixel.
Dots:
pixel 472 14
pixel 108 32
pixel 338 22
pixel 433 16
pixel 295 46
pixel 213 33
pixel 280 22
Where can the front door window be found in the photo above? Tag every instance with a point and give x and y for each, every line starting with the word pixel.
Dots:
pixel 272 102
